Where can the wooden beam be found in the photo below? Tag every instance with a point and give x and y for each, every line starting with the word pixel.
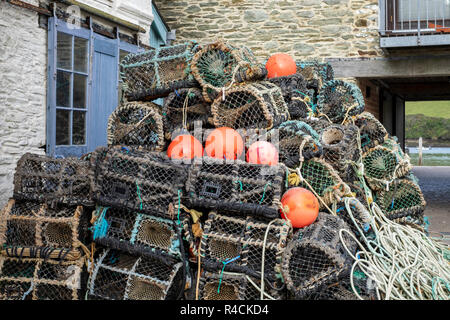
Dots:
pixel 31 7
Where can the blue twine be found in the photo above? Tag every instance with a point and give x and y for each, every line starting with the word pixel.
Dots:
pixel 224 265
pixel 264 193
pixel 139 195
pixel 177 92
pixel 101 226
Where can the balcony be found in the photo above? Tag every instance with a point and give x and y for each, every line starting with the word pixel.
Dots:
pixel 414 23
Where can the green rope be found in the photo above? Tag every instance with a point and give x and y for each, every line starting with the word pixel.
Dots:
pixel 240 183
pixel 221 273
pixel 264 193
pixel 139 195
pixel 179 207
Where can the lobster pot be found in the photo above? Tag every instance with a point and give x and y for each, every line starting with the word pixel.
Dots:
pixel 185 108
pixel 232 286
pixel 147 182
pixel 119 276
pixel 315 73
pixel 235 186
pixel 372 131
pixel 404 198
pixel 137 124
pixel 297 96
pixel 323 179
pixel 34 230
pixel 39 279
pixel 157 72
pixel 253 105
pixel 135 233
pixel 46 179
pixel 294 140
pixel 316 256
pixel 340 146
pixel 339 100
pixel 317 124
pixel 382 166
pixel 359 220
pixel 218 65
pixel 244 240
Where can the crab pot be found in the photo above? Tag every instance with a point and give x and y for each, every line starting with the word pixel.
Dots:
pixel 219 65
pixel 372 132
pixel 296 94
pixel 226 237
pixel 119 276
pixel 146 182
pixel 226 286
pixel 235 186
pixel 339 100
pixel 157 72
pixel 316 257
pixel 136 233
pixel 317 124
pixel 253 105
pixel 403 199
pixel 382 166
pixel 289 138
pixel 39 279
pixel 183 109
pixel 34 230
pixel 137 124
pixel 46 179
pixel 315 73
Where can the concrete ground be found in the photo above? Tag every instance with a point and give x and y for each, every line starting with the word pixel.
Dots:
pixel 435 185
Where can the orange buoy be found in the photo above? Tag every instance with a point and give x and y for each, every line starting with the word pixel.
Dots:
pixel 279 65
pixel 262 152
pixel 300 206
pixel 224 143
pixel 185 146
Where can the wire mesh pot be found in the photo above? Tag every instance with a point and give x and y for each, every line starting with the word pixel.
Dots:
pixel 316 257
pixel 137 124
pixel 119 276
pixel 39 279
pixel 217 66
pixel 34 230
pixel 183 109
pixel 136 233
pixel 317 124
pixel 245 245
pixel 404 198
pixel 146 182
pixel 235 186
pixel 339 100
pixel 253 105
pixel 382 166
pixel 157 72
pixel 315 73
pixel 372 132
pixel 46 179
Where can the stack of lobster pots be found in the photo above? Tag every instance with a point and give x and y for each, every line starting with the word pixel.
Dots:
pixel 130 222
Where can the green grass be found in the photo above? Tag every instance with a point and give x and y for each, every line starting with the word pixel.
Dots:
pixel 439 109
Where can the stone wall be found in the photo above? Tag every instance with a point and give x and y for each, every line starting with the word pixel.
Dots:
pixel 23 56
pixel 306 29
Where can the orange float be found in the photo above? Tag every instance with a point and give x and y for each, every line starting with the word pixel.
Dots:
pixel 185 146
pixel 300 206
pixel 262 152
pixel 224 143
pixel 279 65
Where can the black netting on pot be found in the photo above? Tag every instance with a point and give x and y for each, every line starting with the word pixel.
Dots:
pixel 339 100
pixel 39 279
pixel 219 65
pixel 34 230
pixel 236 186
pixel 137 124
pixel 237 245
pixel 157 72
pixel 359 218
pixel 46 179
pixel 317 124
pixel 372 131
pixel 253 105
pixel 147 182
pixel 120 276
pixel 316 257
pixel 315 73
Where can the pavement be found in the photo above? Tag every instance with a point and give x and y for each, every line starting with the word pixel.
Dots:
pixel 435 185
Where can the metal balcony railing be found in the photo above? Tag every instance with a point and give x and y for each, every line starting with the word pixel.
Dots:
pixel 409 23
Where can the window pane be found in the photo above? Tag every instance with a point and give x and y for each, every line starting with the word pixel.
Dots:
pixel 79 91
pixel 63 89
pixel 80 55
pixel 79 128
pixel 62 127
pixel 64 54
pixel 412 10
